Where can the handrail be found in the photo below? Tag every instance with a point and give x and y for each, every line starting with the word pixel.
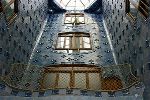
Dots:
pixel 41 90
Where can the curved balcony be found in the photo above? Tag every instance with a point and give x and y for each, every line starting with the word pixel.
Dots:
pixel 71 79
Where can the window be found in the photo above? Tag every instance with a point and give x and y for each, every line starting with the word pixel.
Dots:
pixel 74 18
pixel 131 8
pixel 10 9
pixel 144 8
pixel 73 42
pixel 74 4
pixel 135 6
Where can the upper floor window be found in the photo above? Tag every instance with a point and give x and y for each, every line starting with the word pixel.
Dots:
pixel 135 6
pixel 73 42
pixel 144 8
pixel 10 9
pixel 74 18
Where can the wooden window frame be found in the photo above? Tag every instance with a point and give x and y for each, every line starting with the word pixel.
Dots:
pixel 72 34
pixel 128 9
pixel 12 17
pixel 142 6
pixel 71 69
pixel 74 15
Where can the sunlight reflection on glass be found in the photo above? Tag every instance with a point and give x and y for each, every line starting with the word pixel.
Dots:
pixel 75 4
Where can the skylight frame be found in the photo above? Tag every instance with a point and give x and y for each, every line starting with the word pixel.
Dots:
pixel 74 4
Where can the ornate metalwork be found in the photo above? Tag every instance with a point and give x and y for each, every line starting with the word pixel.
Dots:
pixel 70 76
pixel 77 77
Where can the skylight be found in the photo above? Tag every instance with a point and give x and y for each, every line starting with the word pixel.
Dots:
pixel 74 4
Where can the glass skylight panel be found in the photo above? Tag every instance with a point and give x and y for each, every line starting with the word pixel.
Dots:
pixel 75 4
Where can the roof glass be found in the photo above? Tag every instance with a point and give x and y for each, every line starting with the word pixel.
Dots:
pixel 74 4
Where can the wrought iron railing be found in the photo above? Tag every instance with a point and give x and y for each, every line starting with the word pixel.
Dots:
pixel 14 79
pixel 123 71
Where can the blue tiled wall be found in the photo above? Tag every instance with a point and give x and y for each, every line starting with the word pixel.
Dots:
pixel 100 54
pixel 131 40
pixel 17 40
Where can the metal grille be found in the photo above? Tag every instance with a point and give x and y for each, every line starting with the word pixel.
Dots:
pixel 80 80
pixel 111 83
pixel 64 79
pixel 49 80
pixel 94 81
pixel 71 77
pixel 90 77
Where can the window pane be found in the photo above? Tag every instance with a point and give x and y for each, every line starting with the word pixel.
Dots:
pixel 58 45
pixel 73 20
pixel 86 45
pixel 5 2
pixel 74 41
pixel 81 42
pixel 9 11
pixel 76 18
pixel 68 20
pixel 67 42
pixel 77 42
pixel 86 39
pixel 62 39
pixel 67 38
pixel 81 19
pixel 62 44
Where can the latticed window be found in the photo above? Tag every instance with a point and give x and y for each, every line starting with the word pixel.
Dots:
pixel 135 6
pixel 10 8
pixel 144 8
pixel 74 18
pixel 73 41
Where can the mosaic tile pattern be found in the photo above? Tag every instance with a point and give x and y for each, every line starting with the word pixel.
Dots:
pixel 131 40
pixel 17 40
pixel 99 55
